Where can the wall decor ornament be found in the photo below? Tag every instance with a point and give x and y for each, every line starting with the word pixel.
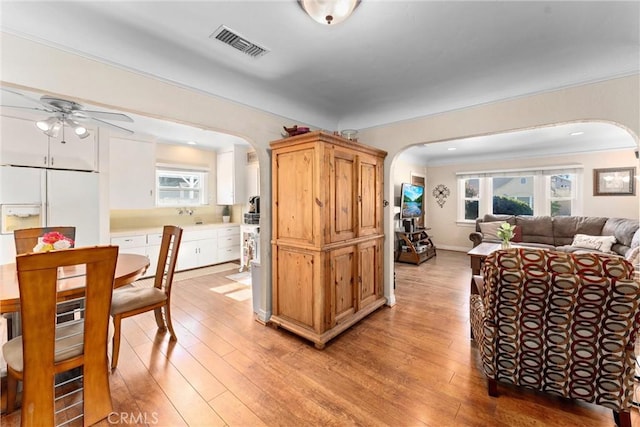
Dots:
pixel 441 192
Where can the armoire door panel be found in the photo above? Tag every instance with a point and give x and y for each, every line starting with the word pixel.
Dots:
pixel 343 290
pixel 370 191
pixel 295 198
pixel 369 272
pixel 343 196
pixel 295 286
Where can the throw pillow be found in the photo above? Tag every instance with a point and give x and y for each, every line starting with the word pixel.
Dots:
pixel 633 256
pixel 600 243
pixel 489 230
pixel 517 234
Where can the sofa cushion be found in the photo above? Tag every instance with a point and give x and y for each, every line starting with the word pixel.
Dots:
pixel 489 230
pixel 493 218
pixel 566 227
pixel 536 229
pixel 600 243
pixel 622 228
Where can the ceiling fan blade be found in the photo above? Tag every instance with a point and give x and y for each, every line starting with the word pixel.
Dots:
pixel 34 101
pixel 18 107
pixel 104 115
pixel 109 125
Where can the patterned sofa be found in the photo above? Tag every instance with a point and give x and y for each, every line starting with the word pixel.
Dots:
pixel 560 323
pixel 559 232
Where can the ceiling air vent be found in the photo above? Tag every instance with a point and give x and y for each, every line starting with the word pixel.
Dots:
pixel 235 40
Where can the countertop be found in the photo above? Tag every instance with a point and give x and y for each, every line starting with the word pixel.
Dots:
pixel 120 232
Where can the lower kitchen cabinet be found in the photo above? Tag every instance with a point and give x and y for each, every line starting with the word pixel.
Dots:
pixel 200 246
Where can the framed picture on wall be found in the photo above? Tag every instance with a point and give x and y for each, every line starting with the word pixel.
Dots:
pixel 614 182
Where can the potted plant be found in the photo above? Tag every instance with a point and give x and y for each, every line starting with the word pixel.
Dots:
pixel 505 233
pixel 226 213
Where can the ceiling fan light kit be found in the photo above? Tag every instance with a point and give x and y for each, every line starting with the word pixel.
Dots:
pixel 329 12
pixel 67 113
pixel 51 127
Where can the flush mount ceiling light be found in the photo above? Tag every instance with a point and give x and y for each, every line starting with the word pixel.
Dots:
pixel 329 12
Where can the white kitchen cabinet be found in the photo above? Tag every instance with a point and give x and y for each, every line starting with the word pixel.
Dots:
pixel 230 173
pixel 228 244
pixel 197 249
pixel 132 174
pixel 23 144
pixel 253 180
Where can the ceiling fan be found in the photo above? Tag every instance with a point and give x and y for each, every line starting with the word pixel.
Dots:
pixel 63 113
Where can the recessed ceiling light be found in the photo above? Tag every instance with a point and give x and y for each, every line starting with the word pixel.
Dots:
pixel 576 133
pixel 451 148
pixel 191 142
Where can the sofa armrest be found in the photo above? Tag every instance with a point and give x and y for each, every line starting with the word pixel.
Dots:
pixel 476 238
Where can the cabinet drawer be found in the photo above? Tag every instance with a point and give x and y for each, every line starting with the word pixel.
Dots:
pixel 154 239
pixel 228 254
pixel 130 241
pixel 227 241
pixel 228 231
pixel 198 235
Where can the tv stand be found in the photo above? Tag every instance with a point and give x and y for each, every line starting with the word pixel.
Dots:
pixel 414 247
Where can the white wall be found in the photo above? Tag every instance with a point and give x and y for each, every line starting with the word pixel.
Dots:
pixel 29 65
pixel 449 235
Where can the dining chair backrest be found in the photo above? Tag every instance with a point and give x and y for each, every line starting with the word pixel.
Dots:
pixel 37 279
pixel 27 238
pixel 171 237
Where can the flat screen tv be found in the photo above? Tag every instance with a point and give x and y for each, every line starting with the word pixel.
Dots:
pixel 411 201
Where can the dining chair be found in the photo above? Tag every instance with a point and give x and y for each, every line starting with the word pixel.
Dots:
pixel 47 348
pixel 131 301
pixel 27 238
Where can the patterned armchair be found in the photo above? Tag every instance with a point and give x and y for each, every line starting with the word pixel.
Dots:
pixel 560 323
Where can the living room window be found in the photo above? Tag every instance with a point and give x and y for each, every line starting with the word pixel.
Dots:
pixel 549 191
pixel 180 187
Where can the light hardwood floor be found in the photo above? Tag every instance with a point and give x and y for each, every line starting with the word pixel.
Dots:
pixel 409 365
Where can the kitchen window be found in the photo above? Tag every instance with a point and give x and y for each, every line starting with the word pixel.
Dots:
pixel 181 187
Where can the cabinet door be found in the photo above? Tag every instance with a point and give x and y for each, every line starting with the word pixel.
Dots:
pixel 369 286
pixel 343 284
pixel 68 151
pixel 369 204
pixel 296 206
pixel 131 174
pixel 230 173
pixel 207 252
pixel 253 180
pixel 342 188
pixel 22 143
pixel 298 288
pixel 187 255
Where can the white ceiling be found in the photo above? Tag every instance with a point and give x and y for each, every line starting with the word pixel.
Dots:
pixel 391 61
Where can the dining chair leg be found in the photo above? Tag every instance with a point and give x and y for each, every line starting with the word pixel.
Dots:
pixel 159 319
pixel 115 351
pixel 167 312
pixel 12 391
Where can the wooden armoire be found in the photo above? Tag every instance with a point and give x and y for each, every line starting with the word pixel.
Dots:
pixel 327 245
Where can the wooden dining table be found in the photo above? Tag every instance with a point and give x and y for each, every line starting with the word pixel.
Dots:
pixel 71 280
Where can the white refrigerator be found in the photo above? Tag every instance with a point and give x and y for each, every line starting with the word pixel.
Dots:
pixel 36 197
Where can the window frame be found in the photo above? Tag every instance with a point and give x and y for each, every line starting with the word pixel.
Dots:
pixel 202 176
pixel 541 189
